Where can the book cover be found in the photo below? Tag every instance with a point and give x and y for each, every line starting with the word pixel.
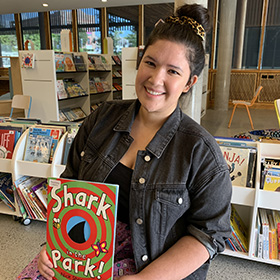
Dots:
pixel 41 191
pixel 239 228
pixel 61 92
pixel 79 62
pixel 7 143
pixel 81 228
pixel 276 218
pixel 264 232
pixel 238 162
pixel 38 148
pixel 272 180
pixel 59 62
pixel 69 62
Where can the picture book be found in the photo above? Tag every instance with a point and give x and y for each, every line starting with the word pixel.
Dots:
pixel 273 248
pixel 38 148
pixel 41 191
pixel 272 180
pixel 276 218
pixel 237 159
pixel 69 62
pixel 7 143
pixel 239 229
pixel 79 62
pixel 81 228
pixel 61 92
pixel 59 62
pixel 264 232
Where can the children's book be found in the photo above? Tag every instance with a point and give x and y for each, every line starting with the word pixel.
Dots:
pixel 7 143
pixel 239 229
pixel 81 228
pixel 61 92
pixel 38 148
pixel 237 159
pixel 68 62
pixel 79 62
pixel 59 62
pixel 272 180
pixel 6 190
pixel 41 191
pixel 72 131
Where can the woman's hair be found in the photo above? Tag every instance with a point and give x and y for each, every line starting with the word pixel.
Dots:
pixel 187 27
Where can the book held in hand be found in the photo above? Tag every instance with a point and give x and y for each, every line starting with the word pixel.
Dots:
pixel 81 228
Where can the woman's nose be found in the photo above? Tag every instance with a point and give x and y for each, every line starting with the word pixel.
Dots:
pixel 157 77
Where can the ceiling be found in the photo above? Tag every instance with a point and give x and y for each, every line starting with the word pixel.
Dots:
pixel 23 6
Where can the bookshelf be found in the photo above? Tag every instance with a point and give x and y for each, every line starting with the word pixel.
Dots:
pixel 247 201
pixel 18 167
pixel 40 83
pixel 117 77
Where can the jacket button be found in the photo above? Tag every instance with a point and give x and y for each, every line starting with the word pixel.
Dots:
pixel 144 258
pixel 147 158
pixel 180 200
pixel 82 153
pixel 139 221
pixel 142 180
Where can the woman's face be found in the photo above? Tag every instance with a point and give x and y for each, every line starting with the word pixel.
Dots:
pixel 162 76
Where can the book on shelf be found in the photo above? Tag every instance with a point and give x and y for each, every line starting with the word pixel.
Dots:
pixel 6 190
pixel 117 60
pixel 239 230
pixel 276 218
pixel 73 88
pixel 61 91
pixel 69 62
pixel 7 142
pixel 62 116
pixel 273 248
pixel 79 62
pixel 42 142
pixel 117 86
pixel 81 228
pixel 41 191
pixel 264 232
pixel 59 62
pixel 74 114
pixel 33 206
pixel 241 164
pixel 271 180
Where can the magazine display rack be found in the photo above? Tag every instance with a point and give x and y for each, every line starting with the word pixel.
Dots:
pixel 248 200
pixel 40 82
pixel 18 167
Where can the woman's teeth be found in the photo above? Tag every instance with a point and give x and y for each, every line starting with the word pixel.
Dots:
pixel 153 92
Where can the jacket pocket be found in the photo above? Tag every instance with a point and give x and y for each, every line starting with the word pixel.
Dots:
pixel 169 205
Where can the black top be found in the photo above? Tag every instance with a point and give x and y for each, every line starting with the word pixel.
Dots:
pixel 121 175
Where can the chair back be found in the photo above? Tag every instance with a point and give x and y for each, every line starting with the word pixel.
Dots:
pixel 21 102
pixel 257 92
pixel 277 109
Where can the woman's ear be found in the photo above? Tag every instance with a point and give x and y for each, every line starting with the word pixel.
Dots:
pixel 190 83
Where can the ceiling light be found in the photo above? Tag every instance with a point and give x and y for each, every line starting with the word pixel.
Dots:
pixel 103 0
pixel 45 5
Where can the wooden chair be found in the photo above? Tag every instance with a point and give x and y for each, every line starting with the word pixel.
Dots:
pixel 21 102
pixel 277 109
pixel 246 104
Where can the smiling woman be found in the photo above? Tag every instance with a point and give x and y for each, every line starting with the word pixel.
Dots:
pixel 175 188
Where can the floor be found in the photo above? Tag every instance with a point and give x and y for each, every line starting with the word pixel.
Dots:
pixel 20 244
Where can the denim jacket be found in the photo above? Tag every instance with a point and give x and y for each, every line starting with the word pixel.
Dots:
pixel 180 185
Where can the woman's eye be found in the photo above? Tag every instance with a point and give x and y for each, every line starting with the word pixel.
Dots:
pixel 173 72
pixel 150 63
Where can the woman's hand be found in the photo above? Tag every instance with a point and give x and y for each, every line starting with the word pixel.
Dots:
pixel 44 265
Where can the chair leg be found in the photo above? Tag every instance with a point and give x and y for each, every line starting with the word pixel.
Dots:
pixel 231 117
pixel 250 117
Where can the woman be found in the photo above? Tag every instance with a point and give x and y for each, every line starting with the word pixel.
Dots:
pixel 175 188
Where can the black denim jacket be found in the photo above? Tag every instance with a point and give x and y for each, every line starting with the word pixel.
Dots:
pixel 180 185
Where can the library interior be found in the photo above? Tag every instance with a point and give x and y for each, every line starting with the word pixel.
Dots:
pixel 60 61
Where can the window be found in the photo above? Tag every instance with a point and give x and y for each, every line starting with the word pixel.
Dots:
pixel 30 29
pixel 154 12
pixel 89 30
pixel 59 20
pixel 123 27
pixel 271 53
pixel 8 39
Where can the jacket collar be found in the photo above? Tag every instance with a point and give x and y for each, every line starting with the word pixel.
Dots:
pixel 162 137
